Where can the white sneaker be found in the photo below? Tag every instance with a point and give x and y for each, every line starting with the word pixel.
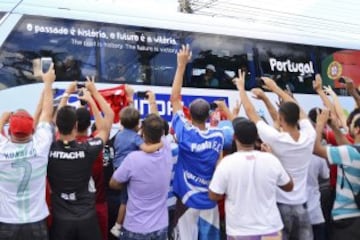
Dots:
pixel 115 231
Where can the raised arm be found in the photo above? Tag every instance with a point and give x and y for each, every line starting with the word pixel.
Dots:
pixel 183 57
pixel 152 102
pixel 38 109
pixel 222 107
pixel 352 91
pixel 248 107
pixel 47 105
pixel 65 97
pixel 272 86
pixel 103 124
pixel 338 109
pixel 260 95
pixel 3 120
pixel 321 120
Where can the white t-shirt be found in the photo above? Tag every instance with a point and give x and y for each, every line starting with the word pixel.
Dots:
pixel 23 170
pixel 295 156
pixel 249 180
pixel 318 168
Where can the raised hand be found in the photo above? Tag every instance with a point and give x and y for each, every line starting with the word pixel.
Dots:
pixel 317 83
pixel 258 93
pixel 269 83
pixel 49 76
pixel 184 55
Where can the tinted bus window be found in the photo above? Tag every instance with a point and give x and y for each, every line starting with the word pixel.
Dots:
pixel 2 14
pixel 117 53
pixel 36 37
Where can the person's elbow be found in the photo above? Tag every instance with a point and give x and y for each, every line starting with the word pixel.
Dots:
pixel 288 187
pixel 215 197
pixel 113 184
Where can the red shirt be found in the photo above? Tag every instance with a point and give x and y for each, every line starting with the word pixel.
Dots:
pixel 330 138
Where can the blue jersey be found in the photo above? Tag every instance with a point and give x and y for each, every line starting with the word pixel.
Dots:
pixel 199 151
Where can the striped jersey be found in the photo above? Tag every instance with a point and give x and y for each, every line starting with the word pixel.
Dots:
pixel 199 151
pixel 349 157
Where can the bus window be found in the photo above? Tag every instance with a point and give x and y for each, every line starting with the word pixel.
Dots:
pixel 36 37
pixel 138 55
pixel 1 15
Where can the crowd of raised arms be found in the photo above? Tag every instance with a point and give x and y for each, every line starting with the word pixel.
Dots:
pixel 248 178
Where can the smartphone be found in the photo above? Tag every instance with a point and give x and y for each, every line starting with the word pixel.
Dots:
pixel 341 80
pixel 82 102
pixel 80 85
pixel 46 63
pixel 142 94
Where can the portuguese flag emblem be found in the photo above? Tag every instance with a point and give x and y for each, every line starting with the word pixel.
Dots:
pixel 341 63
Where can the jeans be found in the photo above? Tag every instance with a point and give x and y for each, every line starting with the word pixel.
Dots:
pixel 296 222
pixel 156 235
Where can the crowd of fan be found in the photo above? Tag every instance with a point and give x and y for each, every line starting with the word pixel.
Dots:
pixel 150 182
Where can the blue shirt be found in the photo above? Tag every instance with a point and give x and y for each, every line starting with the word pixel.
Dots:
pixel 349 157
pixel 125 142
pixel 199 151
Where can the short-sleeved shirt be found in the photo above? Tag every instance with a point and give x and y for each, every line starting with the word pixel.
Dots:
pixel 97 173
pixel 199 151
pixel 69 172
pixel 126 141
pixel 250 180
pixel 318 169
pixel 349 158
pixel 148 177
pixel 23 177
pixel 295 156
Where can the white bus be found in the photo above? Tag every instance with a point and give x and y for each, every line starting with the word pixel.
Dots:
pixel 120 45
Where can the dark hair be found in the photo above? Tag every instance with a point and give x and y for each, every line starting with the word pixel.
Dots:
pixel 313 114
pixel 66 120
pixel 290 112
pixel 199 110
pixel 129 117
pixel 351 116
pixel 166 127
pixel 153 128
pixel 83 119
pixel 245 131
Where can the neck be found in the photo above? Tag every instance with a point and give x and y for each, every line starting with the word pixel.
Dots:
pixel 357 139
pixel 292 130
pixel 67 138
pixel 82 134
pixel 201 126
pixel 244 147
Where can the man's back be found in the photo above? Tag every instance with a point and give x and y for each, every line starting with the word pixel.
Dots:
pixel 198 153
pixel 249 180
pixel 69 172
pixel 149 178
pixel 22 174
pixel 295 156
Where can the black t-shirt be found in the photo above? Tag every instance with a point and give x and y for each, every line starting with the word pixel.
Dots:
pixel 69 171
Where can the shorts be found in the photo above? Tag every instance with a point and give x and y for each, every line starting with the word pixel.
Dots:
pixel 79 229
pixel 33 231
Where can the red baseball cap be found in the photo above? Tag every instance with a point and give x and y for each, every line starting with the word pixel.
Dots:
pixel 21 124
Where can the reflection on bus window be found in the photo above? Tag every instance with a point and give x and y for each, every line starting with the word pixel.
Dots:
pixel 117 53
